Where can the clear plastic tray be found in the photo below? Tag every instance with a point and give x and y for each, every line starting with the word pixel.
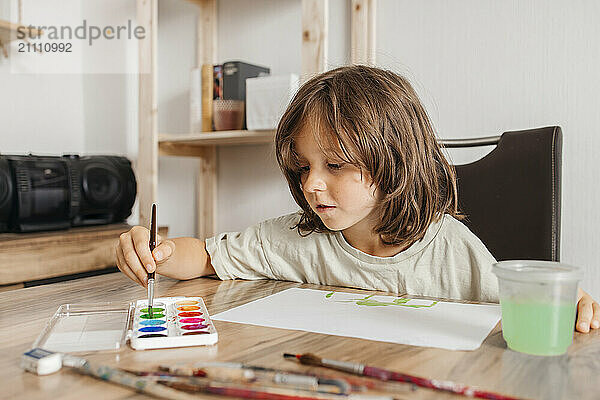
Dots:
pixel 86 327
pixel 82 328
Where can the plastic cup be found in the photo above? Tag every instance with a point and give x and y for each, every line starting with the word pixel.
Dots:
pixel 538 300
pixel 228 114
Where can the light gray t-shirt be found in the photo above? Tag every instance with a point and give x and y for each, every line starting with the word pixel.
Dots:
pixel 450 261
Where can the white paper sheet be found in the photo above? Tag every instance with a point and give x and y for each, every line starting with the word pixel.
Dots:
pixel 452 326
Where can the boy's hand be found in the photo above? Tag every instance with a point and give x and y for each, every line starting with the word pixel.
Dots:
pixel 133 254
pixel 588 312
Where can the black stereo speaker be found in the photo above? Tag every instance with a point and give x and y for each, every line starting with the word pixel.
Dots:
pixel 6 194
pixel 41 200
pixel 106 188
pixel 45 193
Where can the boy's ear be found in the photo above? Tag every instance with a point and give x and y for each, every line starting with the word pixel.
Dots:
pixel 378 194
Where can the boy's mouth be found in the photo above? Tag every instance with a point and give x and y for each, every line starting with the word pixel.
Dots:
pixel 323 207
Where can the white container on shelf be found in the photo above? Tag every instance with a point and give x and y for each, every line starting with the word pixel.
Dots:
pixel 267 98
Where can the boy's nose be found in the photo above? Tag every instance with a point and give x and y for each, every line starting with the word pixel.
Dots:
pixel 314 183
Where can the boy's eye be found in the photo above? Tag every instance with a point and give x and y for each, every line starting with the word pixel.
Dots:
pixel 334 166
pixel 303 169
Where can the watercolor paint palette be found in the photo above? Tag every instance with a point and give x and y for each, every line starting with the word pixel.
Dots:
pixel 85 327
pixel 172 322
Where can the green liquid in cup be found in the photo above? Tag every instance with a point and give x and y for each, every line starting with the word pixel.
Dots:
pixel 538 328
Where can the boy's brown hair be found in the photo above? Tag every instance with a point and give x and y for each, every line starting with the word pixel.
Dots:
pixel 373 119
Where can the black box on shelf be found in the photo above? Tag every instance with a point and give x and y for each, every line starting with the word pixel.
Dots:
pixel 235 74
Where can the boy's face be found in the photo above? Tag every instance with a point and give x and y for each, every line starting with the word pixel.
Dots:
pixel 336 191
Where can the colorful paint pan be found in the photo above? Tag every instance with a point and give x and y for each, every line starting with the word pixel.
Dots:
pixel 189 314
pixel 149 335
pixel 152 316
pixel 153 329
pixel 154 310
pixel 194 327
pixel 171 322
pixel 191 320
pixel 188 308
pixel 187 303
pixel 152 322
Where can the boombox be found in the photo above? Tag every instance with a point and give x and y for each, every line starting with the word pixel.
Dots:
pixel 45 193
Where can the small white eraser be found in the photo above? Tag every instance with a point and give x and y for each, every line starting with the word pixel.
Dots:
pixel 41 362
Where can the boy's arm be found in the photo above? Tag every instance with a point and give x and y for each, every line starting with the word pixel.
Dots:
pixel 189 261
pixel 181 258
pixel 588 312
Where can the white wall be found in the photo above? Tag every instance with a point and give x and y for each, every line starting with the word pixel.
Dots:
pixel 42 114
pixel 176 56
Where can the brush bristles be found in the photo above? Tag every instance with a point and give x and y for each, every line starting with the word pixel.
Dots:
pixel 307 359
pixel 310 359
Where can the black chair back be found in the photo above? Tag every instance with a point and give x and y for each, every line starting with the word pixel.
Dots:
pixel 511 197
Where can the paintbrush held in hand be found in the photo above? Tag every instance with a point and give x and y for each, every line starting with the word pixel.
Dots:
pixel 386 375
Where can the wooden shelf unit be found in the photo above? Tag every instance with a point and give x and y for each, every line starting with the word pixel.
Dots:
pixel 203 145
pixel 39 255
pixel 8 32
pixel 183 144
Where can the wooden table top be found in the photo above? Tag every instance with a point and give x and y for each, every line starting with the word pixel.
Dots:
pixel 575 375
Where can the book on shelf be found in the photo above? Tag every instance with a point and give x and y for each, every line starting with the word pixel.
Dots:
pixel 218 81
pixel 207 97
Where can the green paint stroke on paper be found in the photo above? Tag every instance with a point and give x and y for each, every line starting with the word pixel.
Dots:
pixel 367 301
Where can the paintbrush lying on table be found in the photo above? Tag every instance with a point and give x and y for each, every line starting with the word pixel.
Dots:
pixel 181 388
pixel 327 384
pixel 251 390
pixel 236 373
pixel 120 377
pixel 386 375
pixel 247 376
